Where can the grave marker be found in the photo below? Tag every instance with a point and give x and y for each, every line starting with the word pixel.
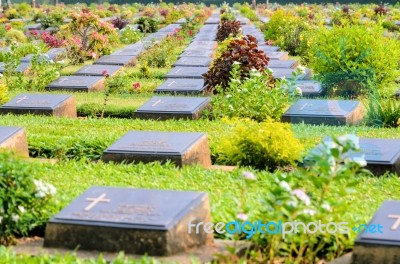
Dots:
pixel 187 72
pixel 181 86
pixel 117 60
pixel 14 139
pixel 77 83
pixel 309 88
pixel 59 105
pixel 379 241
pixel 136 221
pixel 193 61
pixel 328 112
pixel 98 70
pixel 172 107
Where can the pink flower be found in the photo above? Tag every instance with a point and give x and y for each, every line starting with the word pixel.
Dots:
pixel 242 217
pixel 302 196
pixel 136 86
pixel 105 73
pixel 249 175
pixel 94 55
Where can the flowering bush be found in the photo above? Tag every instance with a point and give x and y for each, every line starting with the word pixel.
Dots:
pixel 25 203
pixel 51 41
pixel 3 92
pixel 312 195
pixel 88 37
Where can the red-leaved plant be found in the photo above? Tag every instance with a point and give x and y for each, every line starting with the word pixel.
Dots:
pixel 244 51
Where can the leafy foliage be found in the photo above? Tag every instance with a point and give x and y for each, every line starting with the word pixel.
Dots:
pixel 243 50
pixel 254 97
pixel 119 23
pixel 147 24
pixel 264 145
pixel 24 201
pixel 355 51
pixel 312 195
pixel 3 92
pixel 227 28
pixel 87 37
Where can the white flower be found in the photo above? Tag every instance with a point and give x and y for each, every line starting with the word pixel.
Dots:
pixel 51 61
pixel 43 189
pixel 21 208
pixel 242 217
pixel 298 91
pixel 360 161
pixel 332 163
pixel 301 69
pixel 309 211
pixel 15 218
pixel 236 63
pixel 302 196
pixel 326 206
pixel 292 203
pixel 355 141
pixel 284 185
pixel 249 175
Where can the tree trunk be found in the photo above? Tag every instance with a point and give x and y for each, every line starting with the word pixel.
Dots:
pixel 33 3
pixel 55 2
pixel 253 4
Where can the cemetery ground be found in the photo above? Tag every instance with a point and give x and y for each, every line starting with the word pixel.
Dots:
pixel 264 169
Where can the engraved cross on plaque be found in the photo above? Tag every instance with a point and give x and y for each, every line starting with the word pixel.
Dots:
pixel 62 80
pixel 178 70
pixel 94 201
pixel 305 105
pixel 21 99
pixel 171 83
pixel 156 102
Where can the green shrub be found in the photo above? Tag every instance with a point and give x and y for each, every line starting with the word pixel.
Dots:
pixel 383 112
pixel 268 144
pixel 12 13
pixel 319 194
pixel 14 35
pixel 24 201
pixel 254 97
pixel 248 12
pixel 287 31
pixel 129 35
pixel 3 93
pixel 355 50
pixel 52 20
pixel 147 24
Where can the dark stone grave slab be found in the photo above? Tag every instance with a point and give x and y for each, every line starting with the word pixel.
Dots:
pixel 264 19
pixel 382 155
pixel 33 27
pixel 14 139
pixel 285 64
pixel 77 83
pixel 136 221
pixel 54 54
pixel 277 55
pixel 181 21
pixel 187 72
pixel 211 37
pixel 213 20
pixel 202 44
pixel 21 68
pixel 379 241
pixel 182 148
pixel 131 50
pixel 97 70
pixel 51 29
pixel 181 86
pixel 170 28
pixel 328 112
pixel 117 60
pixel 310 88
pixel 193 61
pixel 172 107
pixel 198 53
pixel 280 73
pixel 60 105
